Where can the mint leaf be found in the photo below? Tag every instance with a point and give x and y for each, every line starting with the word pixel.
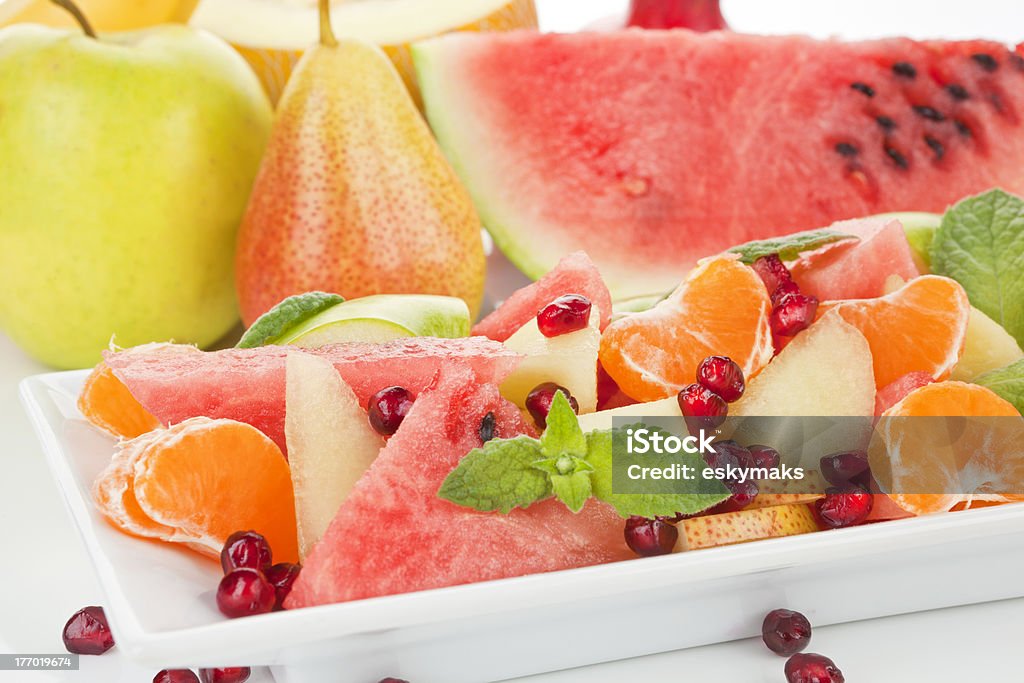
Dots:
pixel 790 246
pixel 1007 382
pixel 980 244
pixel 294 310
pixel 500 476
pixel 572 489
pixel 688 497
pixel 563 434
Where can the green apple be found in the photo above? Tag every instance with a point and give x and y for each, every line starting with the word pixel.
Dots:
pixel 127 161
pixel 381 318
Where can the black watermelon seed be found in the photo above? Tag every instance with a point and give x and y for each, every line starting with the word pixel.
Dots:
pixel 904 69
pixel 846 149
pixel 487 427
pixel 937 147
pixel 863 88
pixel 886 123
pixel 962 128
pixel 985 61
pixel 957 91
pixel 896 156
pixel 930 113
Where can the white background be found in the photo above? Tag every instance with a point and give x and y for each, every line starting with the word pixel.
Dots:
pixel 45 576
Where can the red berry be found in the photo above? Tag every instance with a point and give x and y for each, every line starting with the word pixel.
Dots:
pixel 87 632
pixel 231 674
pixel 565 314
pixel 282 576
pixel 793 313
pixel 809 667
pixel 387 408
pixel 538 401
pixel 842 507
pixel 738 456
pixel 842 468
pixel 176 676
pixel 743 494
pixel 245 592
pixel 785 632
pixel 245 549
pixel 723 376
pixel 772 271
pixel 703 408
pixel 650 537
pixel 765 456
pixel 783 290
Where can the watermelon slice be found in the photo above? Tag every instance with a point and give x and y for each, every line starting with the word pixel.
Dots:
pixel 893 393
pixel 574 274
pixel 857 269
pixel 394 535
pixel 248 385
pixel 651 149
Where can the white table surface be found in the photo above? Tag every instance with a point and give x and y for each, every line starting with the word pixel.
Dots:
pixel 45 575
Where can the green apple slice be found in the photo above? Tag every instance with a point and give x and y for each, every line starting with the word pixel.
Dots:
pixel 381 318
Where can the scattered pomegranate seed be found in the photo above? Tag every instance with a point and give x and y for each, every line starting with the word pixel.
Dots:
pixel 784 290
pixel 765 456
pixel 793 314
pixel 231 674
pixel 772 271
pixel 785 632
pixel 245 549
pixel 176 676
pixel 723 376
pixel 728 452
pixel 842 468
pixel 743 494
pixel 538 402
pixel 704 408
pixel 282 576
pixel 812 668
pixel 565 314
pixel 842 507
pixel 87 632
pixel 387 408
pixel 245 592
pixel 650 537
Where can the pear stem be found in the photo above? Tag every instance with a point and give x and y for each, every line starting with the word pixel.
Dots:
pixel 327 37
pixel 74 11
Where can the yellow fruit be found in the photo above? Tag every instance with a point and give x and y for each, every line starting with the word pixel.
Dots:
pixel 273 35
pixel 745 525
pixel 987 347
pixel 104 15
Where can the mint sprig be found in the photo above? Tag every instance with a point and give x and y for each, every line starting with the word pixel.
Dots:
pixel 286 315
pixel 791 246
pixel 498 477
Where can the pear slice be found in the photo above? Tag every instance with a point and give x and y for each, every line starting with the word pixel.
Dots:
pixel 742 526
pixel 666 407
pixel 987 347
pixel 330 443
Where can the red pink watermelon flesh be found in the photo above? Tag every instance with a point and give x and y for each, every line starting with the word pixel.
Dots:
pixel 890 395
pixel 857 269
pixel 248 385
pixel 574 274
pixel 394 535
pixel 651 149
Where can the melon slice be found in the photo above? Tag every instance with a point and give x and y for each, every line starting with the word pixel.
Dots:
pixel 330 443
pixel 652 149
pixel 248 385
pixel 394 535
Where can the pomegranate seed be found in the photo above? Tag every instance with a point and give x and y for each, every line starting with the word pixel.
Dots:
pixel 772 271
pixel 794 313
pixel 565 314
pixel 538 402
pixel 785 632
pixel 245 549
pixel 231 674
pixel 387 408
pixel 743 494
pixel 765 456
pixel 812 668
pixel 842 507
pixel 783 290
pixel 703 408
pixel 282 576
pixel 723 376
pixel 738 456
pixel 87 632
pixel 176 676
pixel 842 468
pixel 650 537
pixel 245 592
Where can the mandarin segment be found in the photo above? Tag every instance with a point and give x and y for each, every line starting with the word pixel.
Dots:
pixel 722 308
pixel 106 403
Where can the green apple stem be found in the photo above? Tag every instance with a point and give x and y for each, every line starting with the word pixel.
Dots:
pixel 326 30
pixel 73 10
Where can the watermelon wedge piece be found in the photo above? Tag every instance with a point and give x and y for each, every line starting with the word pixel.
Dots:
pixel 394 535
pixel 857 269
pixel 574 274
pixel 652 149
pixel 248 385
